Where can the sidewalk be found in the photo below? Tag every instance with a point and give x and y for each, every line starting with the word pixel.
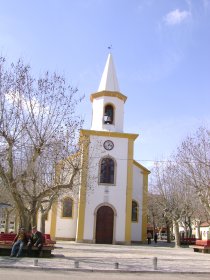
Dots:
pixel 116 258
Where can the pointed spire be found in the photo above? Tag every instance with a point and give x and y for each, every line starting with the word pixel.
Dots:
pixel 109 80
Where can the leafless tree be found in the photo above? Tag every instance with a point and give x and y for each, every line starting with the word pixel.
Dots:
pixel 193 157
pixel 175 198
pixel 39 131
pixel 155 211
pixel 182 180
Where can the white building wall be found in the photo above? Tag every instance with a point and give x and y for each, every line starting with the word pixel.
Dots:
pixel 47 222
pixel 136 230
pixel 98 114
pixel 205 233
pixel 66 227
pixel 113 194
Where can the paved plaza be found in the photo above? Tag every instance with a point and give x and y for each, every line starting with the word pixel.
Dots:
pixel 116 258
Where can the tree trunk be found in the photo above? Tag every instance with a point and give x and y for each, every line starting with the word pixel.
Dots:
pixel 185 231
pixel 154 227
pixel 177 236
pixel 34 219
pixel 16 222
pixel 190 228
pixel 24 220
pixel 199 231
pixel 168 233
pixel 6 225
pixel 42 223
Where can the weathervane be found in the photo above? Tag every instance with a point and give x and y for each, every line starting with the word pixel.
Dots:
pixel 110 48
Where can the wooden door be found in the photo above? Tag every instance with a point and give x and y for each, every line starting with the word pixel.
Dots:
pixel 104 225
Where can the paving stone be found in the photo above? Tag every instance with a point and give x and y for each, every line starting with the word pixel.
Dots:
pixel 129 258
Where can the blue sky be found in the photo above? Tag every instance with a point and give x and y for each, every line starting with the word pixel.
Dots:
pixel 161 50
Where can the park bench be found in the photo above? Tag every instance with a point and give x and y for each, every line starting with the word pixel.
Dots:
pixel 188 241
pixel 202 246
pixel 6 240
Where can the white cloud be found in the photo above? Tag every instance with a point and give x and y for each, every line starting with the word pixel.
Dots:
pixel 176 17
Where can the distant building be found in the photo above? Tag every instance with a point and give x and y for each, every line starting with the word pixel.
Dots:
pixel 205 230
pixel 3 224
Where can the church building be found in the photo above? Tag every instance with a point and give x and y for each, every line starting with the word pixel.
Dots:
pixel 112 204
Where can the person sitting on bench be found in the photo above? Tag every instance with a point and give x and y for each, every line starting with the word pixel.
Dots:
pixel 35 240
pixel 18 243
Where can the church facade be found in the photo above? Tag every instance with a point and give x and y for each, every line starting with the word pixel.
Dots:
pixel 112 204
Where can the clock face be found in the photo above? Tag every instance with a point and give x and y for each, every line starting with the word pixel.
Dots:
pixel 108 145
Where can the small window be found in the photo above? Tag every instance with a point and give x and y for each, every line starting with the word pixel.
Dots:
pixel 134 215
pixel 107 171
pixel 67 208
pixel 108 114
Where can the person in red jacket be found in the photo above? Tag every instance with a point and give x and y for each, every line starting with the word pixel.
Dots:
pixel 18 243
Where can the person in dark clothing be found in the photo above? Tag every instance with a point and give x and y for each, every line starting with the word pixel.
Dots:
pixel 155 237
pixel 18 243
pixel 149 237
pixel 35 240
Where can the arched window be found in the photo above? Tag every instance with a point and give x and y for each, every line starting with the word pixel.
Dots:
pixel 108 114
pixel 107 171
pixel 67 211
pixel 135 208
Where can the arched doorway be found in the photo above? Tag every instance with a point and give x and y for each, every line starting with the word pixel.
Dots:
pixel 104 225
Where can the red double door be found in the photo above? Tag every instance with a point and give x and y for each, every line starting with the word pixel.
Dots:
pixel 104 225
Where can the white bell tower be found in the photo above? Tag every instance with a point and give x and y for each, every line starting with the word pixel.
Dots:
pixel 108 102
